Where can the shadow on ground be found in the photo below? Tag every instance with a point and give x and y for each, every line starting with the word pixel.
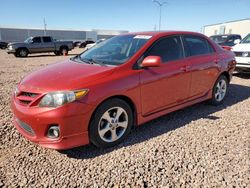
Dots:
pixel 164 124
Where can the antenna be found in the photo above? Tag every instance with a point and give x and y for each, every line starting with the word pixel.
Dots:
pixel 45 26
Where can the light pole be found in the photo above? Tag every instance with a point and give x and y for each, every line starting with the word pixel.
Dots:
pixel 160 5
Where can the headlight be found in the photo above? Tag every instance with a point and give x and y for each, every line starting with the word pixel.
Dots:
pixel 10 47
pixel 16 92
pixel 55 99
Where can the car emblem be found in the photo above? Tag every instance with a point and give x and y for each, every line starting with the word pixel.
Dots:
pixel 244 54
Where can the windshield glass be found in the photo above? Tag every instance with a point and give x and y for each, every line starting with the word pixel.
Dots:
pixel 246 39
pixel 28 40
pixel 219 38
pixel 117 50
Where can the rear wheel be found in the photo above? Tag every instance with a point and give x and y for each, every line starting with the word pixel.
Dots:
pixel 111 123
pixel 64 51
pixel 57 53
pixel 219 90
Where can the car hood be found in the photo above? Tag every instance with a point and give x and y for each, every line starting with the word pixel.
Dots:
pixel 242 47
pixel 66 75
pixel 16 43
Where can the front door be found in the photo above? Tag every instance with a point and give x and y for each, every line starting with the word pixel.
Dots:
pixel 168 85
pixel 35 45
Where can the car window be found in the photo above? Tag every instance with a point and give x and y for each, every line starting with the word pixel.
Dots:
pixel 197 46
pixel 36 40
pixel 168 49
pixel 246 39
pixel 46 39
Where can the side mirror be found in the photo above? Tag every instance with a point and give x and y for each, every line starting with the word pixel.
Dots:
pixel 237 41
pixel 151 61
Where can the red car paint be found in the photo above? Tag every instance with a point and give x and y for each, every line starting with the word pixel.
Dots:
pixel 186 82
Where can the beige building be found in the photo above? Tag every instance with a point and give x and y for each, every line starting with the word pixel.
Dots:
pixel 241 27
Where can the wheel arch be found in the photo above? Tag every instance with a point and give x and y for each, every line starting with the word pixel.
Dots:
pixel 227 75
pixel 64 47
pixel 126 99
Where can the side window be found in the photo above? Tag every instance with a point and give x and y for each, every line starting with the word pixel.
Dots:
pixel 46 39
pixel 197 46
pixel 36 40
pixel 168 49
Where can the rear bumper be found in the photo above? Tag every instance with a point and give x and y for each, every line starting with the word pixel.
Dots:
pixel 72 119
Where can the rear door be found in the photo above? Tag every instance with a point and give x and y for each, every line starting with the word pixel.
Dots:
pixel 168 85
pixel 48 44
pixel 202 62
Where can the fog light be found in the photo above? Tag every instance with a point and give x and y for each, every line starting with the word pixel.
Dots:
pixel 53 132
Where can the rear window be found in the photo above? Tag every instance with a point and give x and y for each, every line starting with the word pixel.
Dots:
pixel 197 46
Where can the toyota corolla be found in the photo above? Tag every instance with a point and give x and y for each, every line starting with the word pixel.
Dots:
pixel 99 95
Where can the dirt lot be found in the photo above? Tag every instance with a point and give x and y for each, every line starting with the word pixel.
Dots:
pixel 198 146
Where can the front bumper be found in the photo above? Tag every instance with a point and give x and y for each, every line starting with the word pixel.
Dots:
pixel 243 63
pixel 11 51
pixel 72 118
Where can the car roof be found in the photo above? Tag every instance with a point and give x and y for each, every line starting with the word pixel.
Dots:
pixel 155 33
pixel 225 35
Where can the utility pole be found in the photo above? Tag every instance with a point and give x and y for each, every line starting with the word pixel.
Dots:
pixel 160 6
pixel 45 27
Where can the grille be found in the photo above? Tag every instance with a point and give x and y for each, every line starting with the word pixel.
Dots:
pixel 27 94
pixel 26 98
pixel 26 127
pixel 240 54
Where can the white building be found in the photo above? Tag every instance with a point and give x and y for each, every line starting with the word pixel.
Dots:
pixel 241 27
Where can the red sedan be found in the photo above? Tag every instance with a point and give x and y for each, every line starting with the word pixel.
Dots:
pixel 125 81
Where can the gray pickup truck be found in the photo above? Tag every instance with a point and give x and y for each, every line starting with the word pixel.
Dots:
pixel 39 45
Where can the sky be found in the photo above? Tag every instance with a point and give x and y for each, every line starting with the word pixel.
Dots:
pixel 131 15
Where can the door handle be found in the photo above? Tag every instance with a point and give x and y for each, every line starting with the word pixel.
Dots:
pixel 183 69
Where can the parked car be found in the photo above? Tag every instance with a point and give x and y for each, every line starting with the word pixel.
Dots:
pixel 99 95
pixel 76 43
pixel 3 45
pixel 85 43
pixel 225 40
pixel 39 45
pixel 95 43
pixel 242 53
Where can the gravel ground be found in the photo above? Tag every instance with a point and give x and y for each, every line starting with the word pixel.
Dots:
pixel 199 146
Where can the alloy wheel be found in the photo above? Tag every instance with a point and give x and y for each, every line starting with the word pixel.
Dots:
pixel 113 124
pixel 220 90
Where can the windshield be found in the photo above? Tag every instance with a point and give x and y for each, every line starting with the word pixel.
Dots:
pixel 246 39
pixel 28 40
pixel 117 50
pixel 219 38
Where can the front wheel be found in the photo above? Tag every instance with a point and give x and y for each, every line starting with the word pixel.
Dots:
pixel 111 123
pixel 219 90
pixel 22 52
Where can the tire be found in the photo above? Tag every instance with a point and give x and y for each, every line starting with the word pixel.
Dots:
pixel 106 128
pixel 219 90
pixel 64 51
pixel 57 53
pixel 22 52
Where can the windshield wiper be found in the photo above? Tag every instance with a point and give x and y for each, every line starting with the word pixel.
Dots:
pixel 93 61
